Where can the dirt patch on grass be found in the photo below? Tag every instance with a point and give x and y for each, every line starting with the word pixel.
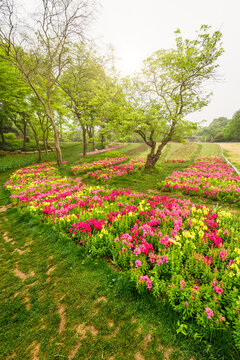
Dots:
pixel 147 339
pixel 138 356
pixel 51 270
pixel 19 251
pixel 20 274
pixel 110 323
pixel 167 353
pixel 61 310
pixel 101 298
pixel 81 331
pixel 114 333
pixel 7 239
pixel 35 351
pixel 4 208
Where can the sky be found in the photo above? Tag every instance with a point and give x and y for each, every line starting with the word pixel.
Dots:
pixel 137 28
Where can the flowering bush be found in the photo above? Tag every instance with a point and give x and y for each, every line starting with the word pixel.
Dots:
pixel 183 253
pixel 99 164
pixel 117 170
pixel 175 160
pixel 209 177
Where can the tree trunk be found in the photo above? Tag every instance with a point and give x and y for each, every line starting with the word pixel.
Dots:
pixel 152 158
pixel 45 143
pixel 24 135
pixel 84 135
pixel 37 142
pixel 56 139
pixel 102 141
pixel 1 131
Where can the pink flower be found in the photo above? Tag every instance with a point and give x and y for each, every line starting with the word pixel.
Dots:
pixel 208 260
pixel 138 263
pixel 209 312
pixel 146 280
pixel 223 255
pixel 137 251
pixel 218 290
pixel 186 303
pixel 196 287
pixel 182 282
pixel 214 282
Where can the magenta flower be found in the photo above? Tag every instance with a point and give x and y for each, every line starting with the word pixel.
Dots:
pixel 138 263
pixel 223 255
pixel 209 312
pixel 182 282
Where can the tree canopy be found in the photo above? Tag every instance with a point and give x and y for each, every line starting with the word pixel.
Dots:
pixel 171 86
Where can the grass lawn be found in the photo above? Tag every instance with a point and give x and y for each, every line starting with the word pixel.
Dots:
pixel 58 303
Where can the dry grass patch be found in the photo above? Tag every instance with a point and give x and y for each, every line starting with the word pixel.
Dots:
pixel 101 298
pixel 81 331
pixel 7 239
pixel 35 351
pixel 4 208
pixel 61 311
pixel 147 339
pixel 138 356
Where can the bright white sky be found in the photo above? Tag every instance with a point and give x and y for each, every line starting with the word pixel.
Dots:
pixel 137 28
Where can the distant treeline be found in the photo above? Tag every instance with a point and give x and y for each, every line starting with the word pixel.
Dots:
pixel 222 129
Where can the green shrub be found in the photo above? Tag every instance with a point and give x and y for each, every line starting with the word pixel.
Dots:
pixel 9 137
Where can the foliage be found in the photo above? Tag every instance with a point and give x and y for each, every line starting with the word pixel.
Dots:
pixel 214 132
pixel 232 130
pixel 169 87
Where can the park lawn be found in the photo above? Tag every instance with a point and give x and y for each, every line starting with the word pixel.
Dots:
pixel 232 153
pixel 57 302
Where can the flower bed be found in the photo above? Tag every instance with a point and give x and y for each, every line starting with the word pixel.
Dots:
pixel 99 164
pixel 179 252
pixel 208 177
pixel 117 170
pixel 175 160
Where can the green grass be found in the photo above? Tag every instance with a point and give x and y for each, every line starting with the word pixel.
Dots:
pixel 21 160
pixel 98 311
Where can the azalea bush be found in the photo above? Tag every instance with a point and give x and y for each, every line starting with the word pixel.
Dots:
pixel 99 164
pixel 182 253
pixel 207 177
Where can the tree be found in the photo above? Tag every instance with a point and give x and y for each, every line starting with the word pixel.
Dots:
pixel 232 130
pixel 91 93
pixel 14 95
pixel 169 87
pixel 41 52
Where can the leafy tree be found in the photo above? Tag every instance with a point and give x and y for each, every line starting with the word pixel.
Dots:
pixel 41 53
pixel 232 130
pixel 13 99
pixel 91 93
pixel 169 87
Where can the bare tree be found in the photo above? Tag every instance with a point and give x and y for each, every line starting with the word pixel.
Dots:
pixel 40 52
